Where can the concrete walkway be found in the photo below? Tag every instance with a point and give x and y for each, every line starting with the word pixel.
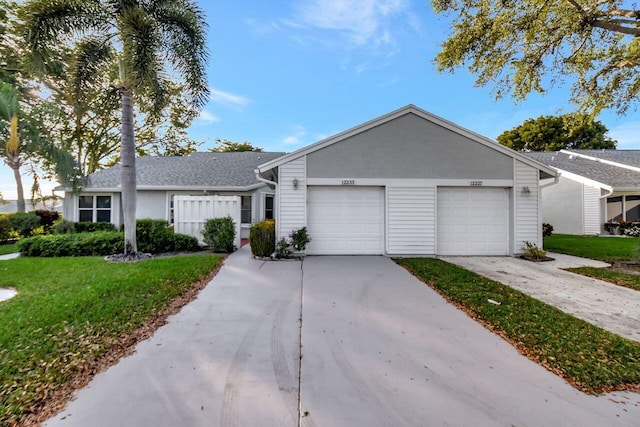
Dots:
pixel 9 256
pixel 611 307
pixel 379 348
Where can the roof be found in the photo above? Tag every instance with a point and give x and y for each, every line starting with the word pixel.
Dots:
pixel 618 169
pixel 409 109
pixel 11 206
pixel 200 170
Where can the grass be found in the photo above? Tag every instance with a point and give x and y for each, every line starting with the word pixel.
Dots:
pixel 590 358
pixel 619 278
pixel 606 249
pixel 71 312
pixel 8 249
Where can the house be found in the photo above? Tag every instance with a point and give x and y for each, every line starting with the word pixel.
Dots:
pixel 11 206
pixel 595 187
pixel 409 183
pixel 160 179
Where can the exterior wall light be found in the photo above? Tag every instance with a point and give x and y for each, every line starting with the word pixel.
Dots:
pixel 526 191
pixel 295 183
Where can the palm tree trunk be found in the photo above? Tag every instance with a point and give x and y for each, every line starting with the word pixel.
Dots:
pixel 18 177
pixel 128 162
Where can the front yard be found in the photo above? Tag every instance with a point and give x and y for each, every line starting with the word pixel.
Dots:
pixel 74 316
pixel 590 358
pixel 608 249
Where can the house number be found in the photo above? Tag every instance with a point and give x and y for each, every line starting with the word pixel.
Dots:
pixel 348 182
pixel 475 183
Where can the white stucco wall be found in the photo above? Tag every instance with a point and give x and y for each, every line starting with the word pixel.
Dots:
pixel 562 206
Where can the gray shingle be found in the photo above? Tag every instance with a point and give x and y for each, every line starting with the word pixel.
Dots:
pixel 611 175
pixel 211 170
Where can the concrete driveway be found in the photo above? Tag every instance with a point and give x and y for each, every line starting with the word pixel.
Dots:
pixel 611 307
pixel 379 348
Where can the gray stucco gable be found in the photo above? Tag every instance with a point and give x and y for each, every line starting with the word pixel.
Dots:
pixel 409 147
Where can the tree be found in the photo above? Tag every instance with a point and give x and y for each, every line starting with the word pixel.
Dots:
pixel 143 37
pixel 553 133
pixel 524 46
pixel 224 145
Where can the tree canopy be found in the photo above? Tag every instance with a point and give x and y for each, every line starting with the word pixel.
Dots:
pixel 553 133
pixel 525 46
pixel 224 145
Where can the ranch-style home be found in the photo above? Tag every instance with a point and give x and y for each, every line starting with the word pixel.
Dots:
pixel 161 179
pixel 595 187
pixel 409 183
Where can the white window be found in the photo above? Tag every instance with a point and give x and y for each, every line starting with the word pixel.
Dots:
pixel 625 208
pixel 94 208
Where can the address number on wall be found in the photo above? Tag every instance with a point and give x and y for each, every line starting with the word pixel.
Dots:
pixel 475 183
pixel 348 182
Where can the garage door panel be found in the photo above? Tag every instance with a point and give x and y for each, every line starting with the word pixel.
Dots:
pixel 346 220
pixel 473 221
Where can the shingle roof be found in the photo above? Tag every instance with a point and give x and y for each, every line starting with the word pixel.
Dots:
pixel 614 176
pixel 197 170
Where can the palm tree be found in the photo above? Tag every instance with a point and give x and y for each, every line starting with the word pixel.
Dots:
pixel 145 36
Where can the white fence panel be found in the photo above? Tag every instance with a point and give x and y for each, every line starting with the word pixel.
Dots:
pixel 191 213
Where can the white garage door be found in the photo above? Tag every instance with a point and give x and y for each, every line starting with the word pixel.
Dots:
pixel 473 221
pixel 346 220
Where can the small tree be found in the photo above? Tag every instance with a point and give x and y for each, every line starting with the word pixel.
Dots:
pixel 224 145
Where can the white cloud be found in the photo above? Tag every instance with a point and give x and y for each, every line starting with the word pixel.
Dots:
pixel 296 137
pixel 229 100
pixel 627 135
pixel 358 22
pixel 207 117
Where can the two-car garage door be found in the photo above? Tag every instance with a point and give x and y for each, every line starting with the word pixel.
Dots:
pixel 350 220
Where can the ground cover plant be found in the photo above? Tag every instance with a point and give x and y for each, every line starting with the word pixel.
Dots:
pixel 590 358
pixel 73 316
pixel 607 249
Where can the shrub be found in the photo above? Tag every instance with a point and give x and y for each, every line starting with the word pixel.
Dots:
pixel 183 242
pixel 5 228
pixel 532 250
pixel 611 228
pixel 47 218
pixel 547 229
pixel 633 231
pixel 282 248
pixel 153 236
pixel 262 238
pixel 220 233
pixel 90 227
pixel 62 226
pixel 24 222
pixel 299 239
pixel 72 244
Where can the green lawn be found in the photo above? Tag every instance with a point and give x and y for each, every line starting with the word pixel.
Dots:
pixel 617 277
pixel 591 358
pixel 69 312
pixel 594 247
pixel 8 249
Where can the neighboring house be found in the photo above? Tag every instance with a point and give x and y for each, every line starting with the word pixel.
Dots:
pixel 409 183
pixel 595 187
pixel 11 206
pixel 159 179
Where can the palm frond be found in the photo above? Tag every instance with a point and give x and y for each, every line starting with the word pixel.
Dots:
pixel 8 102
pixel 87 64
pixel 184 29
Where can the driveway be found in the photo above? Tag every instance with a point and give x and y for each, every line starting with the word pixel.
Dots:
pixel 606 305
pixel 379 348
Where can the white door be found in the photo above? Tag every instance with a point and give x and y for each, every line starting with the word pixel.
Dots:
pixel 473 221
pixel 346 220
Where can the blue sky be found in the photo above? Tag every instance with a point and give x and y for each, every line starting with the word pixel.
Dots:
pixel 285 74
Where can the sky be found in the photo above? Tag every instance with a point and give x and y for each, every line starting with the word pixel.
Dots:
pixel 285 74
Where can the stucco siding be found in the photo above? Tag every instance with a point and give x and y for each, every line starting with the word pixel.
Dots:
pixel 562 206
pixel 591 203
pixel 151 204
pixel 409 147
pixel 291 201
pixel 527 220
pixel 411 221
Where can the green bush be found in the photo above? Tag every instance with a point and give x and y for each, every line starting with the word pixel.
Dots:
pixel 152 236
pixel 184 243
pixel 90 227
pixel 220 233
pixel 262 238
pixel 47 218
pixel 73 244
pixel 24 222
pixel 62 226
pixel 5 228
